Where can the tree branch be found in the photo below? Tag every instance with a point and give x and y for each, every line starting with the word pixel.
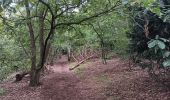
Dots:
pixel 68 8
pixel 90 17
pixel 48 6
pixel 98 34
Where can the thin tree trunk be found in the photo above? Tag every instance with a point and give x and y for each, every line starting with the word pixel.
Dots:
pixel 46 43
pixel 103 52
pixel 69 53
pixel 34 77
pixel 41 36
pixel 103 55
pixel 47 51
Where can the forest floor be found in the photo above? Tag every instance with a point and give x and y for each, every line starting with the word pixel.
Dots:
pixel 90 81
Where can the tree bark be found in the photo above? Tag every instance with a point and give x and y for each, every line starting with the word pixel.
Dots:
pixel 47 51
pixel 34 78
pixel 69 53
pixel 103 52
pixel 41 35
pixel 46 44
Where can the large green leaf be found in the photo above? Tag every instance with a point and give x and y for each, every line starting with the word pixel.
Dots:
pixel 161 44
pixel 152 43
pixel 166 54
pixel 166 63
pixel 163 39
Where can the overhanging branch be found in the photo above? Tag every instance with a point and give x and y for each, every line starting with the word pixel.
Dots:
pixel 90 17
pixel 48 6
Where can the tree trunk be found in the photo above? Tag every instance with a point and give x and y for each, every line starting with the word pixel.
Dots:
pixel 103 55
pixel 46 44
pixel 34 78
pixel 41 35
pixel 103 52
pixel 69 53
pixel 47 51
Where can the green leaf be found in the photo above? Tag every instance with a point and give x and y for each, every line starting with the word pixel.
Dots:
pixel 166 63
pixel 156 10
pixel 152 43
pixel 147 2
pixel 163 39
pixel 166 54
pixel 161 44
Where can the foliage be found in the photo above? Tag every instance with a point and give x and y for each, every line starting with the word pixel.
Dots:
pixel 150 40
pixel 38 26
pixel 11 55
pixel 160 48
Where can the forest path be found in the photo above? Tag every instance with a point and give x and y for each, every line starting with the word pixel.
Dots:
pixel 90 81
pixel 60 65
pixel 60 85
pixel 64 84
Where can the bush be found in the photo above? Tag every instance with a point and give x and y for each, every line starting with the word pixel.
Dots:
pixel 149 40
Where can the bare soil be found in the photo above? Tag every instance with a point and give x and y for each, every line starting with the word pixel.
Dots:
pixel 96 81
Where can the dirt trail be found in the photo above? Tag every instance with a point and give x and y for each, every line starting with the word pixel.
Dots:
pixel 96 82
pixel 61 84
pixel 59 66
pixel 64 84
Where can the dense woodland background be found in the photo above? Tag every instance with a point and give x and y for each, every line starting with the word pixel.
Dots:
pixel 33 33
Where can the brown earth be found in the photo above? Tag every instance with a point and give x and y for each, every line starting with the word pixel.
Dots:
pixel 94 81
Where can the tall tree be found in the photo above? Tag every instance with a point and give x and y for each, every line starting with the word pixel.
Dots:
pixel 53 16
